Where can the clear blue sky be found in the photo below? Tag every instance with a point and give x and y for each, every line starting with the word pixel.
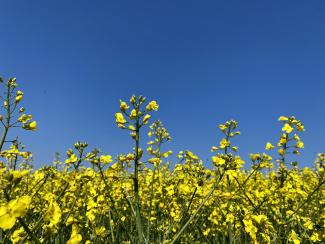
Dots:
pixel 203 61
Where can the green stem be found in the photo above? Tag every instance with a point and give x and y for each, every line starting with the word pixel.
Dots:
pixel 7 125
pixel 136 184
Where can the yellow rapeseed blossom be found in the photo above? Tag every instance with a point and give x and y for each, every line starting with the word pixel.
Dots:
pixel 100 231
pixel 222 127
pixel 133 99
pixel 19 96
pixel 53 213
pixel 24 118
pixel 133 114
pixel 152 106
pixel 155 161
pixel 218 161
pixel 283 118
pixel 315 237
pixel 16 208
pixel 192 155
pixel 72 159
pixel 255 156
pixel 224 143
pixel 281 151
pixel 250 229
pixel 131 127
pixel 214 149
pixel 30 126
pixel 293 237
pixel 146 119
pixel 18 174
pixel 299 144
pixel 105 159
pixel 75 237
pixel 269 146
pixel 123 106
pixel 300 127
pixel 287 128
pixel 18 235
pixel 119 118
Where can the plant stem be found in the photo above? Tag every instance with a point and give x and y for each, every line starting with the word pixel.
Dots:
pixel 136 184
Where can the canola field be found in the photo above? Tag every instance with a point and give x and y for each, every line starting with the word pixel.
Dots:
pixel 142 197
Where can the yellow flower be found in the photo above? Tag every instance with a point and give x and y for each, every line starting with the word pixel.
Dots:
pixel 75 237
pixel 206 232
pixel 70 221
pixel 155 161
pixel 255 156
pixel 105 159
pixel 296 137
pixel 7 220
pixel 131 127
pixel 259 218
pixel 300 127
pixel 123 106
pixel 133 114
pixel 132 99
pixel 308 224
pixel 24 118
pixel 53 213
pixel 315 237
pixel 18 174
pixel 300 144
pixel 167 154
pixel 224 143
pixel 170 190
pixel 281 151
pixel 214 149
pixel 121 126
pixel 269 146
pixel 30 126
pixel 287 128
pixel 18 235
pixel 152 106
pixel 13 210
pixel 283 140
pixel 72 159
pixel 218 160
pixel 293 237
pixel 20 206
pixel 119 118
pixel 192 155
pixel 282 118
pixel 222 127
pixel 146 119
pixel 250 228
pixel 19 96
pixel 100 231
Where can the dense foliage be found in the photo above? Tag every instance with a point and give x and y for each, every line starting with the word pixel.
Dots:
pixel 140 197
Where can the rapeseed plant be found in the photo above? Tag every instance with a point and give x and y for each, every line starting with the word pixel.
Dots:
pixel 140 197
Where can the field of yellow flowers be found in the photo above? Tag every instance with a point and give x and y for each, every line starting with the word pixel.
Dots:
pixel 140 197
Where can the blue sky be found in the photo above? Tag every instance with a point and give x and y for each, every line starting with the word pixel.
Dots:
pixel 204 62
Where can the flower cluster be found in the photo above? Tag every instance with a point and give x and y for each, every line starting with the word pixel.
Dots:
pixel 140 197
